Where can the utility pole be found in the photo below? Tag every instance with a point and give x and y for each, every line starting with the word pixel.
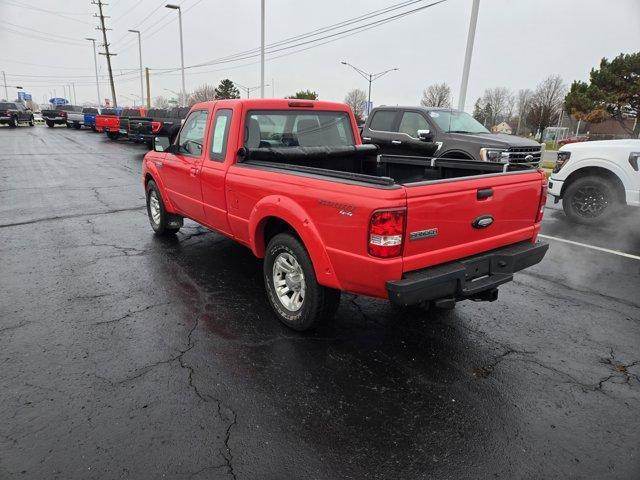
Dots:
pixel 261 48
pixel 184 90
pixel 6 92
pixel 467 56
pixel 95 64
pixel 140 57
pixel 106 53
pixel 75 99
pixel 146 72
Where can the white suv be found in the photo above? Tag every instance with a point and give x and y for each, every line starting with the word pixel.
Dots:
pixel 594 179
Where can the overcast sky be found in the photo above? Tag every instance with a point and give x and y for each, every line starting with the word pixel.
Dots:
pixel 518 43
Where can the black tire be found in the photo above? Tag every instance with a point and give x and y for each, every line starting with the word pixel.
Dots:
pixel 68 125
pixel 590 200
pixel 50 124
pixel 31 122
pixel 113 135
pixel 13 123
pixel 318 303
pixel 93 128
pixel 77 126
pixel 165 223
pixel 149 144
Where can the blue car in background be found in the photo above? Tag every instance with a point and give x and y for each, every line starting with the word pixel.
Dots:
pixel 90 116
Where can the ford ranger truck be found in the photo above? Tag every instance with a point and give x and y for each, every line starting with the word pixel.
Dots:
pixel 290 180
pixel 444 133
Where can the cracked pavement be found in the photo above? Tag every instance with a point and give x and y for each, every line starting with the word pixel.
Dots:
pixel 128 356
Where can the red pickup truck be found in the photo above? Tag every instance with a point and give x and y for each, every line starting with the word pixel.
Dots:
pixel 291 180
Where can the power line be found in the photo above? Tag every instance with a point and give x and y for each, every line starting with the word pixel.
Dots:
pixel 39 37
pixel 50 12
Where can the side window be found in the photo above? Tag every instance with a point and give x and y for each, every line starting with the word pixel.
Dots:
pixel 191 136
pixel 220 134
pixel 383 120
pixel 412 122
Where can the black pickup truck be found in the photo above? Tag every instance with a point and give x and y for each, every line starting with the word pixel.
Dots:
pixel 444 133
pixel 14 113
pixel 158 122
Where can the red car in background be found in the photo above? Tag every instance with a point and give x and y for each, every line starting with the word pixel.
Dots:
pixel 108 120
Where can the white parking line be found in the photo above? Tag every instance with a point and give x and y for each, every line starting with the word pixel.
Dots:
pixel 593 247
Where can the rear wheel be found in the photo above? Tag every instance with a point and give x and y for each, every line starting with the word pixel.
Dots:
pixel 162 222
pixel 13 123
pixel 49 124
pixel 31 122
pixel 68 125
pixel 296 297
pixel 76 126
pixel 590 200
pixel 113 135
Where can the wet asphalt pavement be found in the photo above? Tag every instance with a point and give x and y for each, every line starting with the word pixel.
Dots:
pixel 123 355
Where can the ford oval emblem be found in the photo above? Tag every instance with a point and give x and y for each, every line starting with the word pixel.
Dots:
pixel 482 222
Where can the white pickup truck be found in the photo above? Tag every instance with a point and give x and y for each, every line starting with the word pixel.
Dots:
pixel 595 179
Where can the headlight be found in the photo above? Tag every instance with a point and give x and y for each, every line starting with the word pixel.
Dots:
pixel 563 157
pixel 494 155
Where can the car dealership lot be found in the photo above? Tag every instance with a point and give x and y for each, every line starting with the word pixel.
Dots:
pixel 125 355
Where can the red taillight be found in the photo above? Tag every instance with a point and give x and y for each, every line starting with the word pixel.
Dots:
pixel 543 202
pixel 301 104
pixel 63 113
pixel 155 127
pixel 386 233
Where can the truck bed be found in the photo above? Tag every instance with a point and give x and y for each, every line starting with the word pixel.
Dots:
pixel 362 163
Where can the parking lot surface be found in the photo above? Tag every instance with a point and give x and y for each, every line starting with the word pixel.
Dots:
pixel 124 355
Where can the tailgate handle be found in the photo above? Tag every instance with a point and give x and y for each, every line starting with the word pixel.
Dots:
pixel 484 193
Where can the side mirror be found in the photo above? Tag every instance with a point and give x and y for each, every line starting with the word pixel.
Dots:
pixel 161 144
pixel 425 135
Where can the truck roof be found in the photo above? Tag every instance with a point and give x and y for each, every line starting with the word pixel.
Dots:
pixel 278 104
pixel 418 107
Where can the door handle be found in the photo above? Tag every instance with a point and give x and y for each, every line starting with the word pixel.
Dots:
pixel 195 171
pixel 484 193
pixel 396 142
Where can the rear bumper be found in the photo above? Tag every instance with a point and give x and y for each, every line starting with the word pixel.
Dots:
pixel 58 120
pixel 475 277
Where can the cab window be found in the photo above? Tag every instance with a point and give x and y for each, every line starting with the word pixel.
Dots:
pixel 220 134
pixel 382 120
pixel 191 136
pixel 412 122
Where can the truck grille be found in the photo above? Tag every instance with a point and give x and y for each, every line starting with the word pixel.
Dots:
pixel 519 154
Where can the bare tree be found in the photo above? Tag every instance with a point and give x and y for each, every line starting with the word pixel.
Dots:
pixel 523 105
pixel 437 95
pixel 203 93
pixel 357 100
pixel 497 104
pixel 547 102
pixel 160 102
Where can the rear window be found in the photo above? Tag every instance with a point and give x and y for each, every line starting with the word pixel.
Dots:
pixel 300 128
pixel 69 108
pixel 109 111
pixel 383 120
pixel 131 112
pixel 8 106
pixel 89 110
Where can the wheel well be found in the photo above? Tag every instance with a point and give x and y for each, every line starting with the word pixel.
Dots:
pixel 147 177
pixel 272 226
pixel 611 177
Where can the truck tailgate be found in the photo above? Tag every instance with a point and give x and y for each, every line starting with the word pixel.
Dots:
pixel 452 219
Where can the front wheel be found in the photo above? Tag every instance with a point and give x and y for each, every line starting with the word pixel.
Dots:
pixel 296 297
pixel 162 222
pixel 590 200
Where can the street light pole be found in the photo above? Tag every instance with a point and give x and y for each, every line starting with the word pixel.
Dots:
pixel 95 64
pixel 467 56
pixel 184 91
pixel 6 92
pixel 249 89
pixel 140 55
pixel 369 77
pixel 262 49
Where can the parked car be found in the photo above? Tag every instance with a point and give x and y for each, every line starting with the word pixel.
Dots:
pixel 15 113
pixel 595 179
pixel 444 133
pixel 58 115
pixel 90 114
pixel 75 119
pixel 108 121
pixel 158 122
pixel 290 180
pixel 575 139
pixel 128 115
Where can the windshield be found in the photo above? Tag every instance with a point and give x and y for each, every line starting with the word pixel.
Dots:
pixel 8 106
pixel 452 121
pixel 302 128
